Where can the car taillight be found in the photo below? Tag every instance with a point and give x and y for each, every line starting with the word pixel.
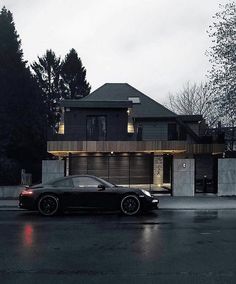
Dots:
pixel 26 192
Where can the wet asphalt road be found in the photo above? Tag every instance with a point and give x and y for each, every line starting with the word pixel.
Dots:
pixel 160 247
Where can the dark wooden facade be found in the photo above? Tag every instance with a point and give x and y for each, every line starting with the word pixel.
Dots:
pixel 76 123
pixel 117 168
pixel 63 148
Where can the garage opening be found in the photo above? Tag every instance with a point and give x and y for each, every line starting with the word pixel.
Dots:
pixel 122 169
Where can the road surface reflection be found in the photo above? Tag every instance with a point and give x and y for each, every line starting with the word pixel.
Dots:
pixel 28 235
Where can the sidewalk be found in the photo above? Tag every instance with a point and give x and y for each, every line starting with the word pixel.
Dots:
pixel 197 203
pixel 9 205
pixel 167 203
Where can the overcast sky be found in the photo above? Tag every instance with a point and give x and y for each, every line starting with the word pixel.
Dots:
pixel 154 45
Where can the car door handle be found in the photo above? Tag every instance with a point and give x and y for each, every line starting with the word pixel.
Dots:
pixel 101 189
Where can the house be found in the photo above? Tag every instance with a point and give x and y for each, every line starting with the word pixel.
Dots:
pixel 124 136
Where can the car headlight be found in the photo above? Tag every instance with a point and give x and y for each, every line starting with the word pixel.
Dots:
pixel 146 192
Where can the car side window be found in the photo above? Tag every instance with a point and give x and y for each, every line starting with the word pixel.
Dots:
pixel 63 183
pixel 85 182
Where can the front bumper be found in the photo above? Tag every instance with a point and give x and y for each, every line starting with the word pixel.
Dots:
pixel 27 202
pixel 150 203
pixel 155 203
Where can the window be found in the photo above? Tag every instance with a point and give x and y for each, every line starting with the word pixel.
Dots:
pixel 96 128
pixel 85 182
pixel 134 100
pixel 139 133
pixel 61 129
pixel 172 132
pixel 182 133
pixel 130 126
pixel 64 183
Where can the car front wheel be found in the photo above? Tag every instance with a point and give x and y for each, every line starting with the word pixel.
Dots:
pixel 48 205
pixel 130 205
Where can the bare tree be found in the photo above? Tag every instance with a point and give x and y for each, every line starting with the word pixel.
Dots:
pixel 222 56
pixel 194 99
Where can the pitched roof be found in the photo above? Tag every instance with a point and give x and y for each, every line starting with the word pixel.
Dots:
pixel 123 91
pixel 95 104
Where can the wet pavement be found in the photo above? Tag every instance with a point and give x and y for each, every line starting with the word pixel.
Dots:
pixel 179 246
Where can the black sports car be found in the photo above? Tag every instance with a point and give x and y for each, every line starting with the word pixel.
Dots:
pixel 85 192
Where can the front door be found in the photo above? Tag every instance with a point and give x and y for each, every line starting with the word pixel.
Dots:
pixel 206 174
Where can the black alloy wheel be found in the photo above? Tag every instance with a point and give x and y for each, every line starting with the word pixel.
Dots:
pixel 48 205
pixel 130 205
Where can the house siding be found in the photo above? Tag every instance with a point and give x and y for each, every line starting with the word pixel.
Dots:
pixel 155 130
pixel 75 123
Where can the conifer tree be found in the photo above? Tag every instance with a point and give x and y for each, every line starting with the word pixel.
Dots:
pixel 22 114
pixel 47 74
pixel 74 77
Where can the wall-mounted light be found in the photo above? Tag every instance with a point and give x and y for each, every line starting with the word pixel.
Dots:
pixel 184 165
pixel 112 152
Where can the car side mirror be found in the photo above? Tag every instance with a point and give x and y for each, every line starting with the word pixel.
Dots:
pixel 101 187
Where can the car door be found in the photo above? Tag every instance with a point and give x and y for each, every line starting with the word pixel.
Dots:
pixel 104 194
pixel 84 190
pixel 106 197
pixel 92 192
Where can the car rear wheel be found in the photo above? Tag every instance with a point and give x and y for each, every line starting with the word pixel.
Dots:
pixel 48 205
pixel 130 205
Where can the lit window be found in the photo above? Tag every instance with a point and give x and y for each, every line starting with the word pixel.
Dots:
pixel 130 126
pixel 134 100
pixel 61 129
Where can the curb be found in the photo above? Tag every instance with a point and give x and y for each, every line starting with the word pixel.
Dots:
pixel 14 208
pixel 10 209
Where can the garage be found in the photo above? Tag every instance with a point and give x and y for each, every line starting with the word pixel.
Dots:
pixel 120 168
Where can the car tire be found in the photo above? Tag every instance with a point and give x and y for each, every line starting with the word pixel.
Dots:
pixel 48 205
pixel 130 205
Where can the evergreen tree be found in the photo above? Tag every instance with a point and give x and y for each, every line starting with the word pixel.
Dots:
pixel 223 59
pixel 22 114
pixel 74 77
pixel 47 74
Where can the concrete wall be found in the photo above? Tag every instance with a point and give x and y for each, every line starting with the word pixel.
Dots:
pixel 158 170
pixel 10 192
pixel 226 177
pixel 52 169
pixel 183 177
